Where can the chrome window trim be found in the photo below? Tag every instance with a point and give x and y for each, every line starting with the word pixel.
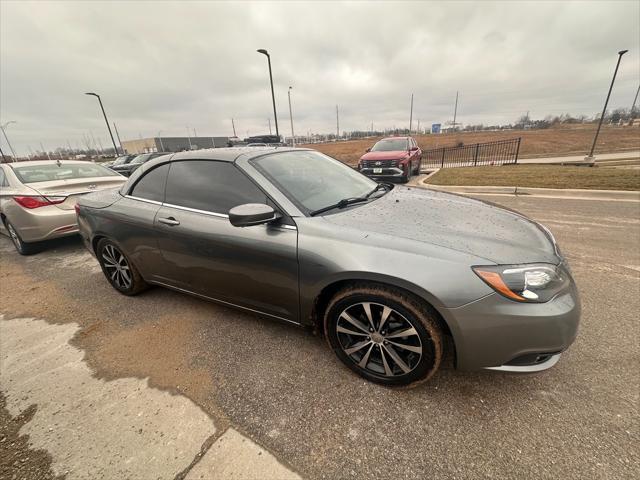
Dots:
pixel 153 202
pixel 195 210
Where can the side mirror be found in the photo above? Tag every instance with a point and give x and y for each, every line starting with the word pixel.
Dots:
pixel 368 150
pixel 414 149
pixel 251 214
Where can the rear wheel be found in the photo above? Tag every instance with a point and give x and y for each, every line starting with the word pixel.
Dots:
pixel 120 272
pixel 22 247
pixel 384 335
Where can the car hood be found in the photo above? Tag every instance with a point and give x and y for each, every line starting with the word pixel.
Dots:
pixel 393 155
pixel 455 222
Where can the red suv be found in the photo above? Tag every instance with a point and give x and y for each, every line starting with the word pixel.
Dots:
pixel 392 158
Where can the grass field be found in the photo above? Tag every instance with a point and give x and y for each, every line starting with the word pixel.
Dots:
pixel 543 176
pixel 574 140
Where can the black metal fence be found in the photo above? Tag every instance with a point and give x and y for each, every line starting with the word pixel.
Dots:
pixel 502 152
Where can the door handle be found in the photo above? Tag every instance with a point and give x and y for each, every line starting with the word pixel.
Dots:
pixel 169 221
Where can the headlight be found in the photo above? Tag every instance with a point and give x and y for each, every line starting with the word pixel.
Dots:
pixel 536 282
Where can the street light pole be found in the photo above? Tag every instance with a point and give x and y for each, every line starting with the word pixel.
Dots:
pixel 411 115
pixel 189 137
pixel 633 107
pixel 115 149
pixel 115 127
pixel 273 96
pixel 589 158
pixel 2 127
pixel 293 137
pixel 160 138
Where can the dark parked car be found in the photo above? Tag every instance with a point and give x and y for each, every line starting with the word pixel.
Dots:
pixel 126 168
pixel 386 272
pixel 121 160
pixel 393 158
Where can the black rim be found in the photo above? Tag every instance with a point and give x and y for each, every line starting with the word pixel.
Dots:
pixel 380 340
pixel 116 267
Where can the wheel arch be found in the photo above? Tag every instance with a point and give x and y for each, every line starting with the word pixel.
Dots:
pixel 329 290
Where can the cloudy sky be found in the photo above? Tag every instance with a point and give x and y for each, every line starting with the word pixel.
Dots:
pixel 160 66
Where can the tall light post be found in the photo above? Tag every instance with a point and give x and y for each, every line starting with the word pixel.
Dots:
pixel 160 138
pixel 589 158
pixel 2 127
pixel 273 96
pixel 115 149
pixel 293 137
pixel 189 138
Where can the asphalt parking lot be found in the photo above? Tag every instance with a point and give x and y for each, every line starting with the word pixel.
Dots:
pixel 281 387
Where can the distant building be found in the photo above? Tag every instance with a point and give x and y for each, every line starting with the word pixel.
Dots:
pixel 173 144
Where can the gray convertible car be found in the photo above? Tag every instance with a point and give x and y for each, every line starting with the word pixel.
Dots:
pixel 385 272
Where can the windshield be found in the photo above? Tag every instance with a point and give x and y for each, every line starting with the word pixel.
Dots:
pixel 312 180
pixel 392 145
pixel 141 158
pixel 64 171
pixel 122 160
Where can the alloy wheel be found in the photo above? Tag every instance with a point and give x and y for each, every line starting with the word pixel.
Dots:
pixel 379 339
pixel 14 236
pixel 117 267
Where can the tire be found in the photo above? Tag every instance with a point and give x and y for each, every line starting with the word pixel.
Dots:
pixel 416 171
pixel 405 178
pixel 120 272
pixel 376 353
pixel 22 247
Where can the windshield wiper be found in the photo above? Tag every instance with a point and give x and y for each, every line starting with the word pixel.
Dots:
pixel 348 201
pixel 378 187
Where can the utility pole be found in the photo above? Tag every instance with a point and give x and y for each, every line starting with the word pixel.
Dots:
pixel 337 123
pixel 233 125
pixel 411 115
pixel 119 141
pixel 293 137
pixel 269 120
pixel 418 132
pixel 4 159
pixel 455 112
pixel 589 158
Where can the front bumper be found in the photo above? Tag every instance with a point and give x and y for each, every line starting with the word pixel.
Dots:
pixel 388 173
pixel 495 332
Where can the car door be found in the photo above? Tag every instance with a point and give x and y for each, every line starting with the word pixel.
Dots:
pixel 134 221
pixel 254 267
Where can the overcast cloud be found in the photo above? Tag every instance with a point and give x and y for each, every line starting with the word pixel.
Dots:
pixel 165 65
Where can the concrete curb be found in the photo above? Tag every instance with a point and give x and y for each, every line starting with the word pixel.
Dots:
pixel 577 194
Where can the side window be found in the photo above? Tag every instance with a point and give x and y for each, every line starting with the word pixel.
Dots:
pixel 151 184
pixel 3 179
pixel 211 186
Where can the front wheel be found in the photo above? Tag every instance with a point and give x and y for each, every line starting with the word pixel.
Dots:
pixel 120 272
pixel 407 175
pixel 384 335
